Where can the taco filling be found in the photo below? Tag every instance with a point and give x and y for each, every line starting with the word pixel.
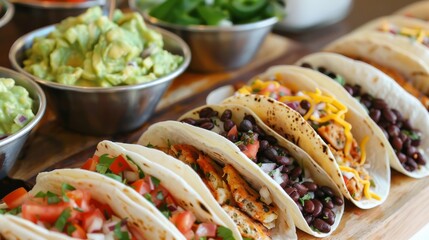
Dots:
pixel 74 213
pixel 252 211
pixel 417 34
pixel 327 117
pixel 151 188
pixel 315 202
pixel 403 137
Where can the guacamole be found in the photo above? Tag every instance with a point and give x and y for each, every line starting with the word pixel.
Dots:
pixel 91 50
pixel 15 107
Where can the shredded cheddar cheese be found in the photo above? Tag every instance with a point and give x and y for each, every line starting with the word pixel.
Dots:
pixel 417 33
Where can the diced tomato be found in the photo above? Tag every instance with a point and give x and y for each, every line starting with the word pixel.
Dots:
pixel 233 132
pixel 169 200
pixel 16 198
pixel 189 235
pixel 104 208
pixel 184 221
pixel 252 149
pixel 141 186
pixel 81 198
pixel 78 232
pixel 136 234
pixel 119 165
pixel 93 220
pixel 34 211
pixel 91 163
pixel 158 195
pixel 206 230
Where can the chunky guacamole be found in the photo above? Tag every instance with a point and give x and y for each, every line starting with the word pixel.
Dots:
pixel 15 107
pixel 91 50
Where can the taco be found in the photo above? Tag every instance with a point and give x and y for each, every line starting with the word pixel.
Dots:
pixel 311 195
pixel 402 119
pixel 64 207
pixel 419 10
pixel 408 70
pixel 307 115
pixel 168 196
pixel 254 203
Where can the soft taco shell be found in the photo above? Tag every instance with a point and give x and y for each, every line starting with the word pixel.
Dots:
pixel 316 172
pixel 172 132
pixel 378 84
pixel 418 10
pixel 289 124
pixel 369 45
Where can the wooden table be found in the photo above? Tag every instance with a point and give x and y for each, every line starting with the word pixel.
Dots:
pixel 50 146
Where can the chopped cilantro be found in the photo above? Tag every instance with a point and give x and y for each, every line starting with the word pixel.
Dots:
pixel 304 198
pixel 372 183
pixel 70 229
pixel 65 188
pixel 101 168
pixel 62 219
pixel 411 134
pixel 150 145
pixel 327 199
pixel 155 181
pixel 40 195
pixel 121 235
pixel 141 173
pixel 148 197
pixel 52 198
pixel 104 163
pixel 339 79
pixel 164 210
pixel 224 233
pixel 78 209
pixel 202 238
pixel 195 167
pixel 114 176
pixel 14 211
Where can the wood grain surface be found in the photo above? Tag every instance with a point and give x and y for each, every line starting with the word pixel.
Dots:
pixel 51 146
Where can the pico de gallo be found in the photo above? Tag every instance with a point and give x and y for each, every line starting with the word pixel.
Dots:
pixel 74 213
pixel 124 170
pixel 327 117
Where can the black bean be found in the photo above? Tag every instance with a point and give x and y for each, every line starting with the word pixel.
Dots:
pixel 304 104
pixel 288 169
pixel 328 216
pixel 308 219
pixel 327 203
pixel 271 153
pixel 375 115
pixel 407 168
pixel 296 172
pixel 311 186
pixel 245 126
pixel 406 143
pixel 332 75
pixel 403 136
pixel 295 196
pixel 418 157
pixel 250 118
pixel 389 115
pixel 379 103
pixel 227 114
pixel 258 130
pixel 416 142
pixel 386 135
pixel 321 69
pixel 228 124
pixel 272 140
pixel 398 115
pixel 319 193
pixel 202 120
pixel 367 103
pixel 411 150
pixel 263 144
pixel 207 113
pixel 402 157
pixel 289 190
pixel 190 121
pixel 284 161
pixel 349 89
pixel 285 178
pixel 338 201
pixel 321 225
pixel 207 125
pixel 233 138
pixel 393 130
pixel 406 124
pixel 308 206
pixel 397 143
pixel 302 190
pixel 318 206
pixel 242 147
pixel 411 163
pixel 356 90
pixel 306 65
pixel 327 190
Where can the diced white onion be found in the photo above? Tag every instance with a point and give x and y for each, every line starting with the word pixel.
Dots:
pixel 268 167
pixel 348 175
pixel 277 176
pixel 96 225
pixel 131 176
pixel 265 195
pixel 95 236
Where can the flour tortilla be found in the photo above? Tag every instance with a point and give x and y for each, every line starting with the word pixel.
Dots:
pixel 12 227
pixel 378 84
pixel 291 125
pixel 418 10
pixel 172 132
pixel 376 48
pixel 310 167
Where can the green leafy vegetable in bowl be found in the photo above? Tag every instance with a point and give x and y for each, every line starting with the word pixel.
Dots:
pixel 15 107
pixel 213 12
pixel 91 50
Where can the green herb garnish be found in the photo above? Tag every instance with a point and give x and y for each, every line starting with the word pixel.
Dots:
pixel 155 181
pixel 114 176
pixel 304 198
pixel 70 229
pixel 121 235
pixel 224 233
pixel 52 198
pixel 62 219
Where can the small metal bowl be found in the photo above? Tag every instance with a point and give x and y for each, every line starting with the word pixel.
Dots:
pixel 10 147
pixel 6 12
pixel 216 48
pixel 99 110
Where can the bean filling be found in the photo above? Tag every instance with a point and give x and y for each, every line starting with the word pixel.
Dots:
pixel 315 202
pixel 404 139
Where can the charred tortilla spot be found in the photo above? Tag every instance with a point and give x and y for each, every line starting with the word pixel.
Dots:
pixel 271 101
pixel 325 149
pixel 332 159
pixel 418 74
pixel 145 164
pixel 202 206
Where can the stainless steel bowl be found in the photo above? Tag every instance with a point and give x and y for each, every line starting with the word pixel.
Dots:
pixel 98 110
pixel 6 13
pixel 215 48
pixel 10 147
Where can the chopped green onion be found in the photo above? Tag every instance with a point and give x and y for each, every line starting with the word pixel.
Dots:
pixel 70 229
pixel 62 219
pixel 121 235
pixel 224 233
pixel 114 176
pixel 52 198
pixel 40 195
pixel 155 181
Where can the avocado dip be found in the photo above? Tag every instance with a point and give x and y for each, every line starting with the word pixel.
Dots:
pixel 15 107
pixel 91 50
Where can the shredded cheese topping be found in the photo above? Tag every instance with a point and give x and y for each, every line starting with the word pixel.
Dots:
pixel 416 33
pixel 323 109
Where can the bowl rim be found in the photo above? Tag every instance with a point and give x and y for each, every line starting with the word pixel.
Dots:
pixel 20 43
pixel 9 12
pixel 40 109
pixel 204 28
